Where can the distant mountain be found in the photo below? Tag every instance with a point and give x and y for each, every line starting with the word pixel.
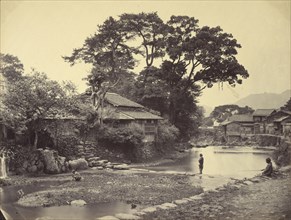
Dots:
pixel 265 100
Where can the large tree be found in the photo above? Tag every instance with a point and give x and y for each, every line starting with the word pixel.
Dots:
pixel 191 58
pixel 149 31
pixel 110 57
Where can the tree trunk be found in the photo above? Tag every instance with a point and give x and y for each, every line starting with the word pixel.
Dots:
pixel 172 111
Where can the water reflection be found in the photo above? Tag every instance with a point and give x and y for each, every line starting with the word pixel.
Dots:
pixel 88 212
pixel 9 195
pixel 236 162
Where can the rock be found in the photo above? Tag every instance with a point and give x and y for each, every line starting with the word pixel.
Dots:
pixel 167 206
pixel 100 168
pixel 78 202
pixel 181 201
pixel 33 169
pixel 79 147
pixel 25 164
pixel 197 197
pixel 255 180
pixel 121 167
pixel 45 218
pixel 93 158
pixel 108 217
pixel 248 182
pixel 109 165
pixel 150 209
pixel 127 216
pixel 79 164
pixel 51 165
pixel 40 166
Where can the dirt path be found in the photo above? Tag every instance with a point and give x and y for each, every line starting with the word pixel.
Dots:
pixel 264 199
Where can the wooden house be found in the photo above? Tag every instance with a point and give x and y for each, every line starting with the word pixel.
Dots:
pixel 122 112
pixel 259 118
pixel 278 122
pixel 237 127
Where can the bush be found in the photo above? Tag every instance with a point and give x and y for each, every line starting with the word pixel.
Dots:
pixel 167 135
pixel 66 146
pixel 18 154
pixel 130 136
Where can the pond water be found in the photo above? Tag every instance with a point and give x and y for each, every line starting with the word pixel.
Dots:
pixel 220 164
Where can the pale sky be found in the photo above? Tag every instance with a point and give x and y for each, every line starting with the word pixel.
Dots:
pixel 39 33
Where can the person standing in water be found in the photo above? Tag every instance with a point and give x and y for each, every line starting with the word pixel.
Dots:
pixel 201 163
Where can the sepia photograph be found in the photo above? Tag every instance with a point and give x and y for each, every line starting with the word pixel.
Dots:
pixel 145 110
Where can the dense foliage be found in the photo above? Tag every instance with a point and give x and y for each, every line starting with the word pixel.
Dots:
pixel 129 137
pixel 32 98
pixel 11 67
pixel 167 135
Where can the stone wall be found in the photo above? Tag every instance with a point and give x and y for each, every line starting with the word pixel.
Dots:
pixel 282 154
pixel 266 140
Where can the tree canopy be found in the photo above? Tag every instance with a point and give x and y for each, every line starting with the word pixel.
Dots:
pixel 11 67
pixel 189 59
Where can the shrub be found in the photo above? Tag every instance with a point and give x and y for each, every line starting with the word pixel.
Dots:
pixel 18 154
pixel 66 146
pixel 167 135
pixel 130 136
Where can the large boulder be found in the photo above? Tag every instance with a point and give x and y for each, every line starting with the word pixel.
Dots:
pixel 50 161
pixel 46 161
pixel 79 164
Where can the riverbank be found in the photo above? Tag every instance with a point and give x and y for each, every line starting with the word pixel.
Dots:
pixel 256 198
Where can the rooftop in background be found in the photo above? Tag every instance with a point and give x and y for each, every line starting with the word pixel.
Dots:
pixel 263 112
pixel 119 101
pixel 241 118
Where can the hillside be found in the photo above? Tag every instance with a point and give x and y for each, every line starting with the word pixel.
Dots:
pixel 265 100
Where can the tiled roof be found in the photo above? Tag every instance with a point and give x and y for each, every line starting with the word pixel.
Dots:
pixel 133 115
pixel 281 119
pixel 263 112
pixel 287 112
pixel 120 101
pixel 226 122
pixel 241 118
pixel 141 115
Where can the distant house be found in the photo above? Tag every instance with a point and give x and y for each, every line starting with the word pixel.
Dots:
pixel 259 117
pixel 237 126
pixel 122 112
pixel 279 122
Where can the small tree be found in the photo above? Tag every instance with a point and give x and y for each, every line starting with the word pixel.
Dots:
pixel 35 97
pixel 287 106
